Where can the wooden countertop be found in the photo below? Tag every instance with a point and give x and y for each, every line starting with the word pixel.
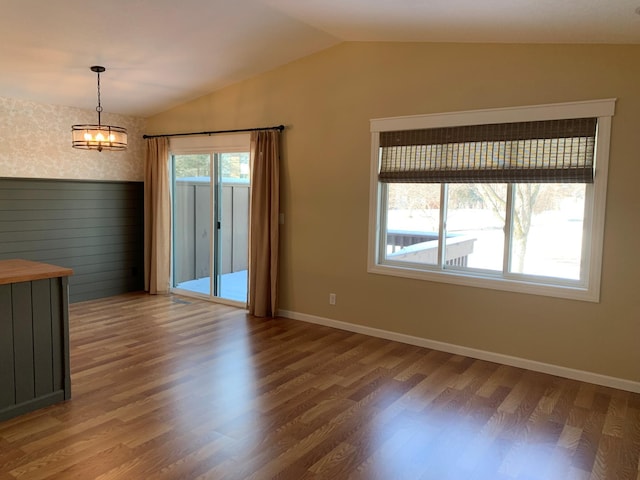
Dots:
pixel 14 271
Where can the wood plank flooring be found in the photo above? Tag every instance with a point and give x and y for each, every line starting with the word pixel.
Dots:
pixel 172 388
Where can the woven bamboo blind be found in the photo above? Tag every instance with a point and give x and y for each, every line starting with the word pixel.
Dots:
pixel 558 151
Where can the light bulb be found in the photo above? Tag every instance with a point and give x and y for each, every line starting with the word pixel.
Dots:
pixel 87 136
pixel 112 137
pixel 100 137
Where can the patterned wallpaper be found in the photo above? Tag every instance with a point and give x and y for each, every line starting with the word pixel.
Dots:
pixel 35 142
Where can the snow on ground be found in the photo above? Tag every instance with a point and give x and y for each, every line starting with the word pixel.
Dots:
pixel 554 246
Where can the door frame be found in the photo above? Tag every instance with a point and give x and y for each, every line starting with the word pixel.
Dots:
pixel 210 145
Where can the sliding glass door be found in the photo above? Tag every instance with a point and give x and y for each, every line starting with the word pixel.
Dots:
pixel 211 224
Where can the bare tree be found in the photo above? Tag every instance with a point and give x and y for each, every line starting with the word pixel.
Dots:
pixel 526 196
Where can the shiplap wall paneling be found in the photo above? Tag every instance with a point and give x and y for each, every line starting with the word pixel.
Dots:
pixel 95 228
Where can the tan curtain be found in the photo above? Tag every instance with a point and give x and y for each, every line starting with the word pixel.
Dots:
pixel 263 223
pixel 157 216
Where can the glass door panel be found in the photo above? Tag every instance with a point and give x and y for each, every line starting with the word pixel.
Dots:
pixel 233 218
pixel 191 223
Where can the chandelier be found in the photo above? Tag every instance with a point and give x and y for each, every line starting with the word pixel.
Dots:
pixel 99 137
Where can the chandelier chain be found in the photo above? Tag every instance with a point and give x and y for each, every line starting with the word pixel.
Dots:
pixel 99 107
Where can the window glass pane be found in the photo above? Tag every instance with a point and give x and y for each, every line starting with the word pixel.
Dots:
pixel 193 166
pixel 413 222
pixel 547 229
pixel 475 225
pixel 235 165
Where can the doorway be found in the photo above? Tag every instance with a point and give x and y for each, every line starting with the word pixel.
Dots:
pixel 211 224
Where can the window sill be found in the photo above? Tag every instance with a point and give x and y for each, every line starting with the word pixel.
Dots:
pixel 526 286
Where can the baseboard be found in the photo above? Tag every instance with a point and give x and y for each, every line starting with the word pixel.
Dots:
pixel 519 362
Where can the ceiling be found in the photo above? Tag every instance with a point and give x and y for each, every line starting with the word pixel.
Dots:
pixel 161 53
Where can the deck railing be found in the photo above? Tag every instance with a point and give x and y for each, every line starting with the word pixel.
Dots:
pixel 422 247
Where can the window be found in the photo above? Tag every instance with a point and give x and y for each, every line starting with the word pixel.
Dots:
pixel 510 199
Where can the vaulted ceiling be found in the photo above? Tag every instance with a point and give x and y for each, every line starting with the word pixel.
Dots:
pixel 160 53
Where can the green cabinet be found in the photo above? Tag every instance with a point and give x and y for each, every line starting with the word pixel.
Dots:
pixel 34 343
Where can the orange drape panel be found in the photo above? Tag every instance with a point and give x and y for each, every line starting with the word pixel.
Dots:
pixel 263 223
pixel 157 216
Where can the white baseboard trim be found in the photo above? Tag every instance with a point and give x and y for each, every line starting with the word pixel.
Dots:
pixel 519 362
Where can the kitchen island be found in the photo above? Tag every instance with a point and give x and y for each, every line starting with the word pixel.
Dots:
pixel 34 336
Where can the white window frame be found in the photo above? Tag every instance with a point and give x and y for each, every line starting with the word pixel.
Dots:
pixel 595 200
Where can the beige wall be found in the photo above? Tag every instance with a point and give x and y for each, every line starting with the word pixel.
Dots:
pixel 35 142
pixel 326 101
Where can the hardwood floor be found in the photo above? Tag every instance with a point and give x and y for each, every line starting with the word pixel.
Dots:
pixel 173 388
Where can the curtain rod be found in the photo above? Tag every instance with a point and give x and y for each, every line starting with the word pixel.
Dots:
pixel 213 132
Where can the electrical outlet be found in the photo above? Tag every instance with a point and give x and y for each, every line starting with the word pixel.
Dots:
pixel 332 299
